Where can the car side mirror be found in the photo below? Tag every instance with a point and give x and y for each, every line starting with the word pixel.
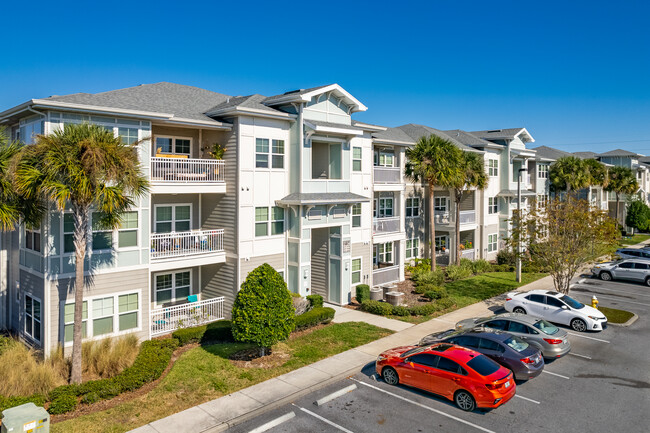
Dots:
pixel 564 307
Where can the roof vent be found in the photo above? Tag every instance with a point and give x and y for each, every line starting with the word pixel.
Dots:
pixel 293 91
pixel 494 130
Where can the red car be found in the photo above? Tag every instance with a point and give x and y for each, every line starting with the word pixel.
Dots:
pixel 468 378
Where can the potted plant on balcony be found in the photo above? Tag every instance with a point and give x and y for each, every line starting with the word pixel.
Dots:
pixel 216 151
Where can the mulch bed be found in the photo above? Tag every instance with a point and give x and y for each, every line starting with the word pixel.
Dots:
pixel 410 298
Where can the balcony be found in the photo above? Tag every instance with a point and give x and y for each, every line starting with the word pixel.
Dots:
pixel 186 249
pixel 387 174
pixel 467 254
pixel 169 319
pixel 467 217
pixel 385 225
pixel 187 175
pixel 385 275
pixel 442 217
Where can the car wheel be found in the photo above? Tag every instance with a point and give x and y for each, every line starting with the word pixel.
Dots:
pixel 519 310
pixel 579 325
pixel 647 281
pixel 465 401
pixel 605 276
pixel 390 376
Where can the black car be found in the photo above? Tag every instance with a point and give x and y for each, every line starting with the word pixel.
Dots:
pixel 524 360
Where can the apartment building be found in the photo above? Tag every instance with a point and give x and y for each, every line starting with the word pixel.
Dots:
pixel 302 186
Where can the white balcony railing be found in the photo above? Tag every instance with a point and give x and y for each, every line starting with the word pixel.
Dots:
pixel 387 174
pixel 467 217
pixel 385 275
pixel 385 225
pixel 467 254
pixel 169 319
pixel 442 217
pixel 178 170
pixel 181 244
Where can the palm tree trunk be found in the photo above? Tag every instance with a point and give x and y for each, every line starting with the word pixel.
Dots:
pixel 80 243
pixel 458 198
pixel 617 199
pixel 432 222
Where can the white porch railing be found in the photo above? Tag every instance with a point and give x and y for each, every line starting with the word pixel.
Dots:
pixel 169 319
pixel 178 170
pixel 442 217
pixel 386 225
pixel 385 275
pixel 386 174
pixel 180 244
pixel 467 217
pixel 467 254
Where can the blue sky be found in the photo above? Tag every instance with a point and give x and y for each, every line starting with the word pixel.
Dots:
pixel 575 73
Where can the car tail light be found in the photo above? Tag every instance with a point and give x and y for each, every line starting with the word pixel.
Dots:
pixel 553 341
pixel 528 360
pixel 491 386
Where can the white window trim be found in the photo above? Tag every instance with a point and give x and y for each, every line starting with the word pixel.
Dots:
pixel 385 153
pixel 89 320
pixel 443 237
pixel 360 271
pixel 407 207
pixel 495 204
pixel 40 322
pixel 352 216
pixel 270 221
pixel 270 154
pixel 379 204
pixel 173 220
pixel 173 272
pixel 378 254
pixel 493 171
pixel 138 239
pixel 173 138
pixel 417 249
pixel 360 159
pixel 23 242
pixel 495 243
pixel 446 204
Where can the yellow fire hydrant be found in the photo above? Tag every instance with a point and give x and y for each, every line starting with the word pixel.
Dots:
pixel 594 302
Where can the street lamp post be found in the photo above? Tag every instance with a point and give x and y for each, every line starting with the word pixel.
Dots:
pixel 518 256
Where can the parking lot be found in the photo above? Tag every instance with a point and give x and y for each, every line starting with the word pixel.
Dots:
pixel 603 385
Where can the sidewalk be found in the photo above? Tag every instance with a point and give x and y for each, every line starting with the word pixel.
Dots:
pixel 220 414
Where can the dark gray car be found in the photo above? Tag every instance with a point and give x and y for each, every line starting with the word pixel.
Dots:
pixel 552 341
pixel 524 360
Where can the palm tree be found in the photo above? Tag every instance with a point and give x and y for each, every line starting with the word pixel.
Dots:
pixel 431 160
pixel 598 174
pixel 569 174
pixel 621 181
pixel 468 173
pixel 81 168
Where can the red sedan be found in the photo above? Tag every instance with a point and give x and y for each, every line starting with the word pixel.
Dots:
pixel 468 378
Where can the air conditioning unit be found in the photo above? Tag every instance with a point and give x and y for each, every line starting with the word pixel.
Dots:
pixel 26 418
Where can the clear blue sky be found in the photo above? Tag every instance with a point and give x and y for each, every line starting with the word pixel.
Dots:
pixel 575 73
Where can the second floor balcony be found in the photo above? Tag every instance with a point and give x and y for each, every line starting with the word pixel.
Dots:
pixel 178 175
pixel 186 249
pixel 387 175
pixel 386 225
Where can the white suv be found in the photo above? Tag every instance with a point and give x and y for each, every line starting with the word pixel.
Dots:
pixel 556 307
pixel 629 269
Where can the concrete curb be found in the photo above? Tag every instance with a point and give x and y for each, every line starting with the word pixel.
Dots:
pixel 633 319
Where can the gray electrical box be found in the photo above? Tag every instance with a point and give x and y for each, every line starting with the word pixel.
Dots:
pixel 27 418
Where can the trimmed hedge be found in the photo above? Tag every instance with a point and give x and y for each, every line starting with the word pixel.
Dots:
pixel 315 301
pixel 363 293
pixel 215 331
pixel 377 307
pixel 64 403
pixel 436 293
pixel 9 402
pixel 386 309
pixel 314 317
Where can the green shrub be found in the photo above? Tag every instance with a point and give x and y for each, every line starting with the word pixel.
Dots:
pixel 481 266
pixel 457 272
pixel 377 307
pixel 90 398
pixel 294 295
pixel 436 278
pixel 400 310
pixel 314 317
pixel 218 331
pixel 263 312
pixel 423 310
pixel 506 257
pixel 62 404
pixel 63 390
pixel 444 303
pixel 9 402
pixel 467 264
pixel 316 301
pixel 189 335
pixel 436 293
pixel 363 293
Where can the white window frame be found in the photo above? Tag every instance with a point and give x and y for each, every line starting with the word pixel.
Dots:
pixel 31 234
pixel 356 215
pixel 439 245
pixel 542 171
pixel 413 250
pixel 382 207
pixel 493 167
pixel 440 204
pixel 276 154
pixel 111 231
pixel 381 253
pixel 65 323
pixel 385 155
pixel 91 310
pixel 270 219
pixel 174 219
pixel 29 317
pixel 493 205
pixel 412 211
pixel 173 288
pixel 137 230
pixel 270 154
pixel 359 159
pixel 352 271
pixel 493 242
pixel 173 138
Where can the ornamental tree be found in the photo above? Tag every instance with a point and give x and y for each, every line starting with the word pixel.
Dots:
pixel 638 216
pixel 263 312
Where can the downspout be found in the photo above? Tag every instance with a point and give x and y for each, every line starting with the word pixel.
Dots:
pixel 301 138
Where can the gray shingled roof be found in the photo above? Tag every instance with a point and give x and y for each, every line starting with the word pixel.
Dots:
pixel 182 101
pixel 394 134
pixel 498 134
pixel 620 152
pixel 586 155
pixel 271 99
pixel 467 138
pixel 418 131
pixel 250 101
pixel 551 153
pixel 316 198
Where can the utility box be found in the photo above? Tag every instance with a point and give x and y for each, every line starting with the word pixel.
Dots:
pixel 27 418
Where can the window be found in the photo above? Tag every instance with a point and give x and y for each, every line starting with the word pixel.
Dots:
pixel 412 248
pixel 356 215
pixel 356 159
pixel 261 152
pixel 441 242
pixel 33 238
pixel 262 221
pixel 128 311
pixel 554 302
pixel 385 207
pixel 384 159
pixel 277 223
pixel 542 171
pixel 173 218
pixel 127 234
pixel 627 265
pixel 68 320
pixel 356 271
pixel 277 154
pixel 518 327
pixel 68 233
pixel 466 341
pixel 383 253
pixel 483 365
pixel 128 135
pixel 33 317
pixel 174 286
pixel 490 345
pixel 497 324
pixel 643 266
pixel 425 359
pixel 493 167
pixel 440 204
pixel 448 365
pixel 103 316
pixel 102 236
pixel 492 243
pixel 536 298
pixel 180 145
pixel 413 207
pixel 493 205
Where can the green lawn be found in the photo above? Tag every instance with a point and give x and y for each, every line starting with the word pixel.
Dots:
pixel 478 288
pixel 206 373
pixel 636 239
pixel 616 316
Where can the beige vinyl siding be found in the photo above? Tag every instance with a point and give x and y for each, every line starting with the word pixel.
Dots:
pixel 319 262
pixel 467 203
pixel 218 280
pixel 365 252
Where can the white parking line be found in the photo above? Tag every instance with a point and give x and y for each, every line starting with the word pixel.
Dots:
pixel 425 407
pixel 614 298
pixel 276 422
pixel 527 399
pixel 325 420
pixel 334 395
pixel 586 336
pixel 555 374
pixel 581 356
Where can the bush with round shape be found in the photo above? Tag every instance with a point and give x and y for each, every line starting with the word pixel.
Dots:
pixel 377 307
pixel 436 292
pixel 436 278
pixel 363 293
pixel 400 310
pixel 455 272
pixel 481 266
pixel 506 257
pixel 263 313
pixel 316 301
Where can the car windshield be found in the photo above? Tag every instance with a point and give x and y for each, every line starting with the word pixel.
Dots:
pixel 546 327
pixel 516 344
pixel 413 351
pixel 483 365
pixel 572 302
